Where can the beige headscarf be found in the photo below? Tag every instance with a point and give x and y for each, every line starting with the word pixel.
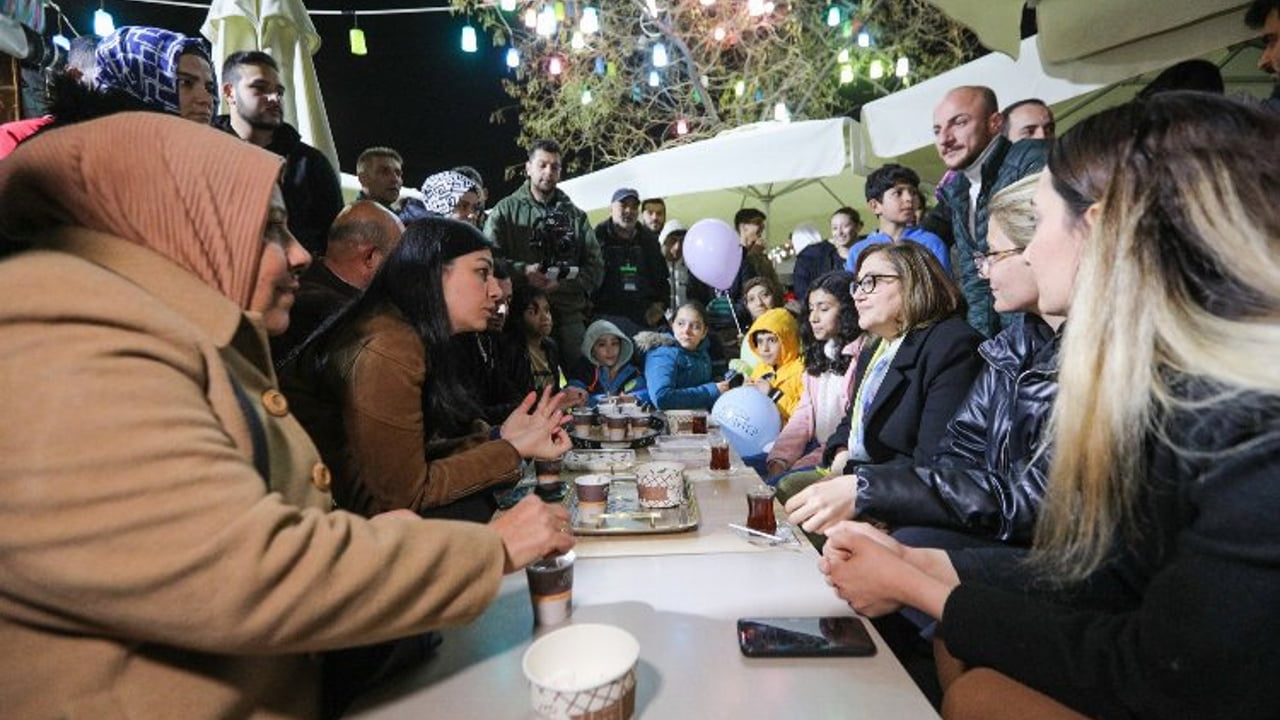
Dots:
pixel 196 195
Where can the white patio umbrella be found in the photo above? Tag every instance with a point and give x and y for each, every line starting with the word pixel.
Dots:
pixel 282 29
pixel 1106 40
pixel 795 172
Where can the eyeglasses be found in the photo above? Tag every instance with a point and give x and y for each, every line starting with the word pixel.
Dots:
pixel 984 261
pixel 867 284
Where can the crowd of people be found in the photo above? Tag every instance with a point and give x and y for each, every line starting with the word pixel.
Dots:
pixel 256 437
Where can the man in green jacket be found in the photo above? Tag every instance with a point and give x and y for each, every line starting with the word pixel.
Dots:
pixel 549 240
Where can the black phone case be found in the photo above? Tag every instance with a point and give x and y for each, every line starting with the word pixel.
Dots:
pixel 821 637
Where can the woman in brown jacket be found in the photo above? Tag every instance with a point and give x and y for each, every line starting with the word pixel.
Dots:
pixel 376 383
pixel 148 569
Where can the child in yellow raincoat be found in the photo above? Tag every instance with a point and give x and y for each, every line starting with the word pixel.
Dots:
pixel 775 338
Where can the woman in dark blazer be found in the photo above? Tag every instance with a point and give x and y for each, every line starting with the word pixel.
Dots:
pixel 911 378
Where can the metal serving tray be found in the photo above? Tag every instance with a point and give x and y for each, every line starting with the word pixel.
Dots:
pixel 623 515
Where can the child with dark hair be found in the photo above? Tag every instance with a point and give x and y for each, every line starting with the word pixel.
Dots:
pixel 606 367
pixel 529 327
pixel 677 368
pixel 893 194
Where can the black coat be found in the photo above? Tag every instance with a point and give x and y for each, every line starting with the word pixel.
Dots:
pixel 1182 620
pixel 926 381
pixel 988 475
pixel 649 282
pixel 812 263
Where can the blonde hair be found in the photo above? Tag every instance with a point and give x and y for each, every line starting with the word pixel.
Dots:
pixel 1179 279
pixel 1011 210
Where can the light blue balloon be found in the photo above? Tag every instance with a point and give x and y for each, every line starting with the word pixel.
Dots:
pixel 748 419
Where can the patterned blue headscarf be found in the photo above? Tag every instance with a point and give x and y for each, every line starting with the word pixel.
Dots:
pixel 143 61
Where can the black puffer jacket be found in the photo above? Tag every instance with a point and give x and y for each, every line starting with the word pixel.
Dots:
pixel 986 478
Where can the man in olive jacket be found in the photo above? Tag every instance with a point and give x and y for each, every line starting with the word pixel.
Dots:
pixel 966 130
pixel 549 240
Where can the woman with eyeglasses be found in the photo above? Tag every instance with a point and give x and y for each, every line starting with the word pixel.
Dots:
pixel 1152 586
pixel 985 482
pixel 912 375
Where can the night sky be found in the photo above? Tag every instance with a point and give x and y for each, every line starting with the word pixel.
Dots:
pixel 415 91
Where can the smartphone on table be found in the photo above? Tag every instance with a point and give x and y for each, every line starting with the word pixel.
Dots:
pixel 839 636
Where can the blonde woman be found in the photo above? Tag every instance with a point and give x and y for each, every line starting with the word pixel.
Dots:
pixel 1155 575
pixel 988 475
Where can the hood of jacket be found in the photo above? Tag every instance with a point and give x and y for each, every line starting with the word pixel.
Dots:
pixel 600 328
pixel 782 323
pixel 285 140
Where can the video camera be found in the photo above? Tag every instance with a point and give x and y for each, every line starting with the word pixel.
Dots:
pixel 555 248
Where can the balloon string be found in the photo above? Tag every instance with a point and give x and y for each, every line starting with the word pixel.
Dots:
pixel 732 312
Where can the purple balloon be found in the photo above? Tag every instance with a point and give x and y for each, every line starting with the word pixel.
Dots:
pixel 712 252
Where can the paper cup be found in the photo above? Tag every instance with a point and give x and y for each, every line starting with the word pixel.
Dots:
pixel 592 490
pixel 660 484
pixel 583 671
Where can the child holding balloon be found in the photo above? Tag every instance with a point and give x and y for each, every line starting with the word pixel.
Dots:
pixel 677 367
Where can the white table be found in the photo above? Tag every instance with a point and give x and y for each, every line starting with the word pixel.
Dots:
pixel 682 602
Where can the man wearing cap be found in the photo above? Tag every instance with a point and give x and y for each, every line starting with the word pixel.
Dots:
pixel 635 284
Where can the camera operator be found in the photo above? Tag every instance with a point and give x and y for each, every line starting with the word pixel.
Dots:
pixel 548 239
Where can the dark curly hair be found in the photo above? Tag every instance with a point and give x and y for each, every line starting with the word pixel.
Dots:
pixel 816 362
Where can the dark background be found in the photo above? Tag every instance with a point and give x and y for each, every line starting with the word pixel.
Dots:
pixel 415 91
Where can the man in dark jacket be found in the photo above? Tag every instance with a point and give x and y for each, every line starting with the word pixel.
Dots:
pixel 636 282
pixel 548 240
pixel 312 193
pixel 966 127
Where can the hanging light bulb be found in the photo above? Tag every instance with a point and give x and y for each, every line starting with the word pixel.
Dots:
pixel 780 112
pixel 547 21
pixel 718 34
pixel 833 16
pixel 356 38
pixel 513 58
pixel 530 18
pixel 708 3
pixel 654 78
pixel 560 10
pixel 590 22
pixel 469 44
pixel 587 96
pixel 660 58
pixel 555 65
pixel 846 74
pixel 578 42
pixel 682 127
pixel 769 6
pixel 61 40
pixel 755 8
pixel 864 39
pixel 652 7
pixel 600 66
pixel 610 70
pixel 507 5
pixel 902 68
pixel 877 70
pixel 843 56
pixel 103 23
pixel 740 88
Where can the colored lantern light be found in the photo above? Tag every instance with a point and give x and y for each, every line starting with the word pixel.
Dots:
pixel 531 18
pixel 759 95
pixel 507 5
pixel 61 41
pixel 902 68
pixel 103 23
pixel 682 127
pixel 833 16
pixel 513 58
pixel 780 112
pixel 601 66
pixel 660 58
pixel 846 74
pixel 877 70
pixel 708 3
pixel 719 34
pixel 590 22
pixel 654 78
pixel 587 96
pixel 469 43
pixel 611 70
pixel 843 56
pixel 560 11
pixel 578 42
pixel 864 40
pixel 555 65
pixel 358 46
pixel 740 88
pixel 652 7
pixel 636 93
pixel 755 8
pixel 547 21
pixel 769 6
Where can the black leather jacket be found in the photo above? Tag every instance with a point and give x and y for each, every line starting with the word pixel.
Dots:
pixel 987 477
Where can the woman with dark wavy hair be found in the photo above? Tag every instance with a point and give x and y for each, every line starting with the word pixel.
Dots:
pixel 832 340
pixel 375 384
pixel 1154 577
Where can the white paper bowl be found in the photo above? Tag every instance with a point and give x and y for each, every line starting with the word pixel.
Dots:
pixel 585 670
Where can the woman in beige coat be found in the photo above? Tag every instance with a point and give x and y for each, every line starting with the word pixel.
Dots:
pixel 148 569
